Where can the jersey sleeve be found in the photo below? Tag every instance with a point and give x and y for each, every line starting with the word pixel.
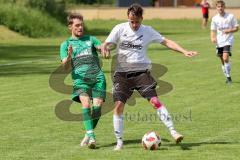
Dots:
pixel 155 36
pixel 114 35
pixel 95 41
pixel 64 50
pixel 213 25
pixel 234 22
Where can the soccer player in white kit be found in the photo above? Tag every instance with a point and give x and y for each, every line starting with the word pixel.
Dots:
pixel 133 68
pixel 223 26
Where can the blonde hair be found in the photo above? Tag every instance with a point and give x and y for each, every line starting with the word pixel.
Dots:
pixel 220 2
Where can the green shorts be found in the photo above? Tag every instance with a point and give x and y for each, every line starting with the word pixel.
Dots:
pixel 94 87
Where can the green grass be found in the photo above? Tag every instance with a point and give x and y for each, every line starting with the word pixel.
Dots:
pixel 210 123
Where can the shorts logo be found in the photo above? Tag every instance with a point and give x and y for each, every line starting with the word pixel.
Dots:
pixel 116 86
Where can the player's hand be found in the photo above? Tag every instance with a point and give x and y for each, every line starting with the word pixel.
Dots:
pixel 107 54
pixel 70 51
pixel 105 51
pixel 214 40
pixel 190 53
pixel 226 31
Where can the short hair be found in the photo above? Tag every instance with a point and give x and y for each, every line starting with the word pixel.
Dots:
pixel 135 9
pixel 220 2
pixel 74 16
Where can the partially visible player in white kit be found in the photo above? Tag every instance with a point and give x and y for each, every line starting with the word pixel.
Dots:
pixel 222 27
pixel 133 68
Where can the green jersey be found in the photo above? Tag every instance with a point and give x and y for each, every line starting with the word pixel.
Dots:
pixel 85 61
pixel 86 71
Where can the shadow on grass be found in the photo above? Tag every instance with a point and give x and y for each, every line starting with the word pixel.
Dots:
pixel 26 59
pixel 26 52
pixel 130 141
pixel 165 143
pixel 189 146
pixel 106 32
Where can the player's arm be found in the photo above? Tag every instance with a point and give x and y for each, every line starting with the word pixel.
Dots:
pixel 98 48
pixel 103 51
pixel 97 43
pixel 176 47
pixel 106 47
pixel 111 41
pixel 231 30
pixel 234 28
pixel 213 36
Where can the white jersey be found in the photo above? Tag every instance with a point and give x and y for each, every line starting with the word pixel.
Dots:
pixel 132 46
pixel 220 23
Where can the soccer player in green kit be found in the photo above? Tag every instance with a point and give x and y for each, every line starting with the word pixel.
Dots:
pixel 80 53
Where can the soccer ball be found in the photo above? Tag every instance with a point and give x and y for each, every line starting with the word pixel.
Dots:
pixel 151 141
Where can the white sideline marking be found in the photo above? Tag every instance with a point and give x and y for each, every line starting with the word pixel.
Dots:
pixel 25 62
pixel 15 63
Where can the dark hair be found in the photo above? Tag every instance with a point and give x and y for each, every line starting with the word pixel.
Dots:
pixel 74 16
pixel 220 2
pixel 135 9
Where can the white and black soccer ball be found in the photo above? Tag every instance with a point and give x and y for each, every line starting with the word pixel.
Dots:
pixel 151 141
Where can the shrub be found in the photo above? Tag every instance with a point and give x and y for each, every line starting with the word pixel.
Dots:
pixel 55 8
pixel 52 7
pixel 32 23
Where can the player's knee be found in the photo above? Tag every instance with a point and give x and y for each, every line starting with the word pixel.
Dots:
pixel 85 105
pixel 225 59
pixel 155 102
pixel 97 102
pixel 119 106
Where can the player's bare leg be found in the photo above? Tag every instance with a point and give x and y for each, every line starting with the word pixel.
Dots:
pixel 204 23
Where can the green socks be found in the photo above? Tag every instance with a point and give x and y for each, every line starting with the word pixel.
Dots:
pixel 96 114
pixel 90 119
pixel 87 122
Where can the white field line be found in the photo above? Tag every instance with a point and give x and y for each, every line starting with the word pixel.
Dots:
pixel 24 62
pixel 15 63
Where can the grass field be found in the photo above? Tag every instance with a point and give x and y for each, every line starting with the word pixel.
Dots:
pixel 204 108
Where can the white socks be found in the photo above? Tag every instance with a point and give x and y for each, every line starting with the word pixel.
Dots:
pixel 224 71
pixel 162 113
pixel 165 118
pixel 118 127
pixel 227 67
